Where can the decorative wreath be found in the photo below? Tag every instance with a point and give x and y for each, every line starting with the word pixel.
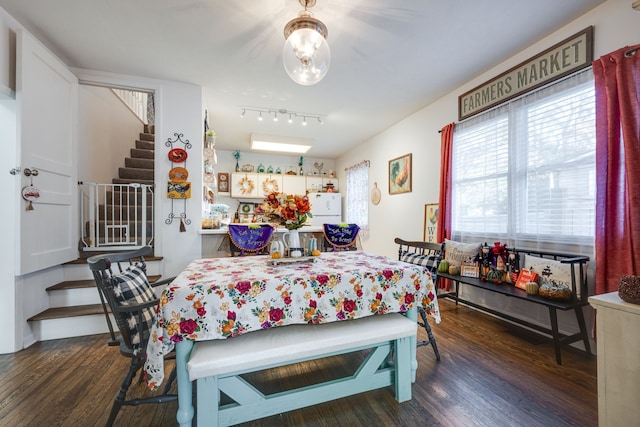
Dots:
pixel 270 185
pixel 246 185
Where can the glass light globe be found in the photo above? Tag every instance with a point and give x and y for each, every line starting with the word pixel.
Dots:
pixel 306 56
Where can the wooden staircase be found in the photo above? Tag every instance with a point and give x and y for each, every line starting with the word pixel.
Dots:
pixel 74 304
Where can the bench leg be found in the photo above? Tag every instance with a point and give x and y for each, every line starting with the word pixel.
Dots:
pixel 402 370
pixel 427 327
pixel 583 330
pixel 185 412
pixel 553 316
pixel 413 315
pixel 208 401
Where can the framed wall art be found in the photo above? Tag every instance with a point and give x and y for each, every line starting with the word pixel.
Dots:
pixel 400 174
pixel 430 222
pixel 223 182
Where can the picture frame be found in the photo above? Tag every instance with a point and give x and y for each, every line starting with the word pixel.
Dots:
pixel 430 222
pixel 223 182
pixel 400 174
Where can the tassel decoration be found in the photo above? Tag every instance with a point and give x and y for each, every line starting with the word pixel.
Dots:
pixel 182 226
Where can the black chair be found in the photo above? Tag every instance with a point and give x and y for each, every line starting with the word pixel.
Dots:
pixel 127 295
pixel 249 239
pixel 340 237
pixel 427 255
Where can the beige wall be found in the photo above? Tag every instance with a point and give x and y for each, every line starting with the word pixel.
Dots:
pixel 616 25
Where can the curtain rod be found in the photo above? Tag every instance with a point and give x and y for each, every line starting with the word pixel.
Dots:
pixel 362 163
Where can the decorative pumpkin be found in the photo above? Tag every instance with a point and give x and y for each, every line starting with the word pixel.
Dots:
pixel 454 270
pixel 629 289
pixel 494 276
pixel 552 291
pixel 443 267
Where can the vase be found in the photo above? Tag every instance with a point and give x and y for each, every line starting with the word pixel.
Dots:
pixel 292 242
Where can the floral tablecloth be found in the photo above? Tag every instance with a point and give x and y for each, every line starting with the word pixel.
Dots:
pixel 219 298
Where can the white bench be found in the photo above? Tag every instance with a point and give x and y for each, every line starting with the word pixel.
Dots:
pixel 216 366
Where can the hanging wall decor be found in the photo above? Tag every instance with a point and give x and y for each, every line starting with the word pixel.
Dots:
pixel 178 188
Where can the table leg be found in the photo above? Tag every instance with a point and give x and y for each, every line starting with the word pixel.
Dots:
pixel 185 389
pixel 413 315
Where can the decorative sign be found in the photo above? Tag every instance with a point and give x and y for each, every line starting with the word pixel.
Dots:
pixel 179 190
pixel 564 58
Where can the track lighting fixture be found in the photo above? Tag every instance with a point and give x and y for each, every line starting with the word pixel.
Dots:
pixel 292 115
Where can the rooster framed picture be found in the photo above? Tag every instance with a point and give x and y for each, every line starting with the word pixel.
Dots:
pixel 400 174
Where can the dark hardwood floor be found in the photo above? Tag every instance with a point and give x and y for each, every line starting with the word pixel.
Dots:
pixel 490 374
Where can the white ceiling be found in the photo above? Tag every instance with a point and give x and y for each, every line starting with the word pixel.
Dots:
pixel 390 58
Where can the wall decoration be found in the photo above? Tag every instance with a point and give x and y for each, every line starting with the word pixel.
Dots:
pixel 178 188
pixel 400 175
pixel 223 182
pixel 430 222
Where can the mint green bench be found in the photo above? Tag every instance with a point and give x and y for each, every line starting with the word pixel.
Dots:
pixel 216 366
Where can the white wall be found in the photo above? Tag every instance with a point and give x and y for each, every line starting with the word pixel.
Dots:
pixel 107 130
pixel 616 25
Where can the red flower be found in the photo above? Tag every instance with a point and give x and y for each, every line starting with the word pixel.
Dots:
pixel 244 286
pixel 313 304
pixel 231 315
pixel 409 298
pixel 287 300
pixel 322 279
pixel 276 314
pixel 349 305
pixel 379 296
pixel 201 311
pixel 388 274
pixel 187 326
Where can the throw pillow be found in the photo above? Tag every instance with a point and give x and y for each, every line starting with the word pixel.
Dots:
pixel 132 287
pixel 430 262
pixel 549 270
pixel 456 252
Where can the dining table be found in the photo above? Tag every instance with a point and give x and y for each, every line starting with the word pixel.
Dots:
pixel 220 298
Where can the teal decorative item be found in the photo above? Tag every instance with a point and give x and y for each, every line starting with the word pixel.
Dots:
pixel 270 169
pixel 236 154
pixel 278 170
pixel 260 168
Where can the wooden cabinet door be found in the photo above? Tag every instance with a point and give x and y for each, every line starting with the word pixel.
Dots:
pixel 293 184
pixel 244 185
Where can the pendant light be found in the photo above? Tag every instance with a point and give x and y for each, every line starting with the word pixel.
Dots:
pixel 306 55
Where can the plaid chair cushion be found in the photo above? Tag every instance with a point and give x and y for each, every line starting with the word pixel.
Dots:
pixel 430 262
pixel 132 287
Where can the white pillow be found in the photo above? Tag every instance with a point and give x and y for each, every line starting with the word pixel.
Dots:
pixel 456 252
pixel 549 270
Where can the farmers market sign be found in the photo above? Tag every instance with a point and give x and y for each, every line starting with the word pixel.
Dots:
pixel 564 58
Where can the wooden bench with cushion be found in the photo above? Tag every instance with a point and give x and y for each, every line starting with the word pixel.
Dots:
pixel 216 366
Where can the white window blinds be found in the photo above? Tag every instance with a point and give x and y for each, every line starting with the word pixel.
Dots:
pixel 526 171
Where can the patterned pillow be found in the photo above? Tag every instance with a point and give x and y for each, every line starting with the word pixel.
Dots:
pixel 456 252
pixel 132 287
pixel 430 262
pixel 550 271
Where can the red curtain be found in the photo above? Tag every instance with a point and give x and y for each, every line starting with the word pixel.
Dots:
pixel 617 79
pixel 444 209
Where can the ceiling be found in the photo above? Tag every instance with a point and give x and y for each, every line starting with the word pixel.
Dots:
pixel 390 58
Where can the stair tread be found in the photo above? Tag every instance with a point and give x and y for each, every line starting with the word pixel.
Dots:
pixel 89 283
pixel 64 312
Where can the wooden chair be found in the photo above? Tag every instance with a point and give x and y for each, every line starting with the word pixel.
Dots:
pixel 340 237
pixel 249 239
pixel 129 297
pixel 427 255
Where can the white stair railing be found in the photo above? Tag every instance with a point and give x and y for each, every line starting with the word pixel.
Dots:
pixel 137 103
pixel 114 216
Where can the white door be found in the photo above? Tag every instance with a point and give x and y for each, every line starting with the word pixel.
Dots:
pixel 47 99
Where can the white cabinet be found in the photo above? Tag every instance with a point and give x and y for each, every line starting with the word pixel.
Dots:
pixel 618 363
pixel 268 183
pixel 293 184
pixel 244 185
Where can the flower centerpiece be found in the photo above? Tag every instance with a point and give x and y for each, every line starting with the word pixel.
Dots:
pixel 289 210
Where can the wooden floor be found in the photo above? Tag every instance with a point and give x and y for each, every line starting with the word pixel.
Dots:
pixel 490 374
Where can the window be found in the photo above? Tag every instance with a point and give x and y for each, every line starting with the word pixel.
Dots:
pixel 357 199
pixel 525 171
